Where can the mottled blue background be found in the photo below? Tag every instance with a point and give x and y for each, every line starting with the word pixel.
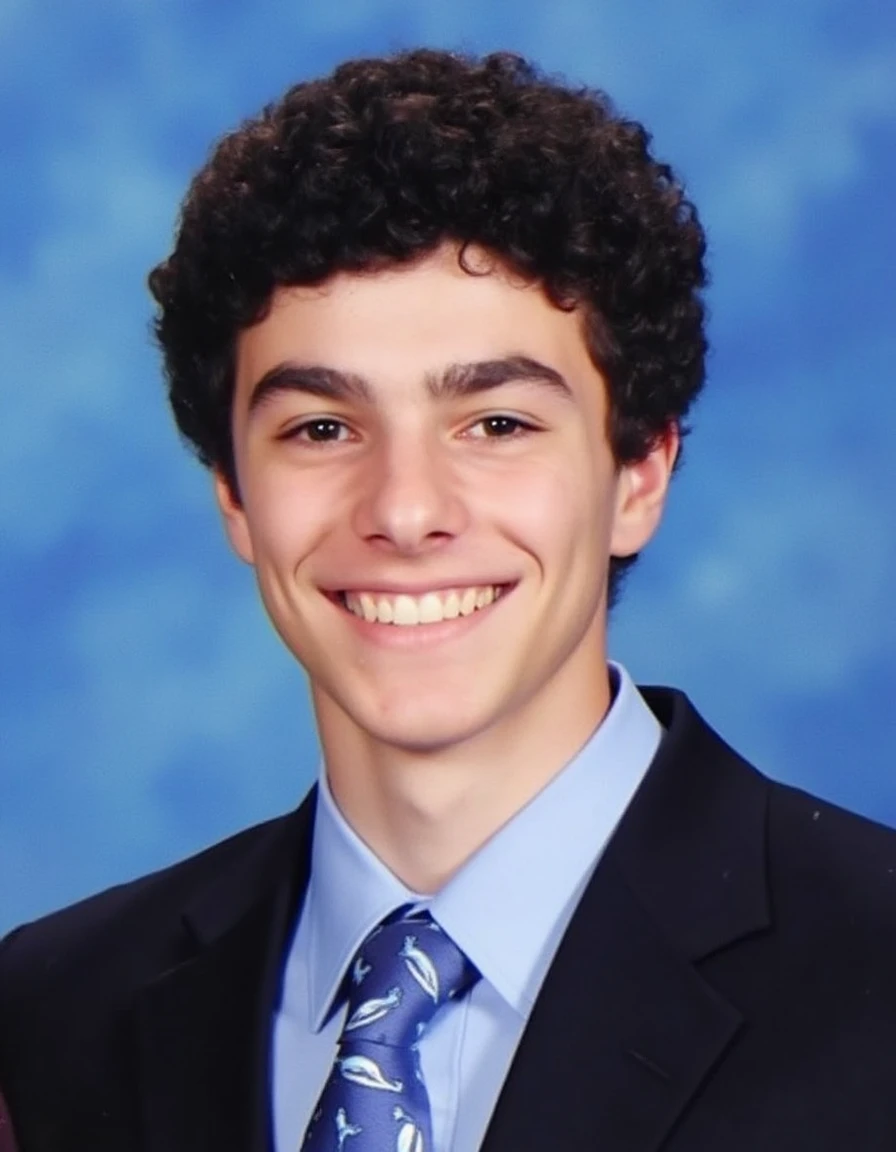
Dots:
pixel 147 707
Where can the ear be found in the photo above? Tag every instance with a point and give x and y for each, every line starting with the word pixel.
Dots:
pixel 235 523
pixel 641 494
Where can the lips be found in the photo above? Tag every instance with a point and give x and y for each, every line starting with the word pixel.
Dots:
pixel 406 610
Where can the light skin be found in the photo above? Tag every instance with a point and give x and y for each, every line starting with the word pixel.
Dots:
pixel 422 429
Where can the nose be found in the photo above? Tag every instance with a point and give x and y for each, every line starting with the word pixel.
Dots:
pixel 410 500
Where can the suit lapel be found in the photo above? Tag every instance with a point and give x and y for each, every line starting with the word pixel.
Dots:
pixel 628 1023
pixel 626 1030
pixel 204 1027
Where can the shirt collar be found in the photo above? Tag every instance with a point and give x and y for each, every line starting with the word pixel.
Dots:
pixel 508 906
pixel 350 892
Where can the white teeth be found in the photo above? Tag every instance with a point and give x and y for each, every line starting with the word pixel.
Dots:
pixel 430 608
pixel 484 597
pixel 468 602
pixel 405 611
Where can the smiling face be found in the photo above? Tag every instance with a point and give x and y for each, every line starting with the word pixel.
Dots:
pixel 430 503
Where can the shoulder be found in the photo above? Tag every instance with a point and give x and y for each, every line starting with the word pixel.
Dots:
pixel 831 865
pixel 799 824
pixel 811 825
pixel 121 936
pixel 820 869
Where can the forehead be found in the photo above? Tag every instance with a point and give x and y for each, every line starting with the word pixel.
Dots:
pixel 398 323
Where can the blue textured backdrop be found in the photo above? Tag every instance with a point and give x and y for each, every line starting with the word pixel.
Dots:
pixel 146 707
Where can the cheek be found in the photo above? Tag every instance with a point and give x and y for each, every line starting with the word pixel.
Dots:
pixel 559 504
pixel 284 522
pixel 290 491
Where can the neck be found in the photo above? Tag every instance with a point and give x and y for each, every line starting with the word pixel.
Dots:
pixel 425 813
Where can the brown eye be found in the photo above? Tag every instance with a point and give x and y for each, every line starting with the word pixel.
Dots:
pixel 501 425
pixel 320 431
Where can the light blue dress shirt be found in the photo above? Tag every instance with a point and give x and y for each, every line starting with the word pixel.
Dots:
pixel 507 908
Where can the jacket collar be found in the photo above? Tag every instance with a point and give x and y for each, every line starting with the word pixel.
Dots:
pixel 692 844
pixel 638 1026
pixel 193 1080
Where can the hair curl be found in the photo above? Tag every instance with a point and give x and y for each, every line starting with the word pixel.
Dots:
pixel 387 158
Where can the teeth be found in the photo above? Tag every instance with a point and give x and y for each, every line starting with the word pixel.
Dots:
pixel 404 612
pixel 430 608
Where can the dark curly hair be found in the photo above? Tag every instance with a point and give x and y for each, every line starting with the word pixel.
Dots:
pixel 384 160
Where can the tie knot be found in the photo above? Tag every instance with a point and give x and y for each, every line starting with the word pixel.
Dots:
pixel 402 974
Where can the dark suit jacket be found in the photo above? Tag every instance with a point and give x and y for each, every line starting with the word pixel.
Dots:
pixel 7 1136
pixel 727 984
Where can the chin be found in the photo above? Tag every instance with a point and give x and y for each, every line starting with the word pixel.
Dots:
pixel 421 739
pixel 421 730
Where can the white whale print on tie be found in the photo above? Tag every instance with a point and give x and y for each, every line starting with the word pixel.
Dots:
pixel 372 1010
pixel 420 967
pixel 344 1129
pixel 362 1070
pixel 410 1138
pixel 359 970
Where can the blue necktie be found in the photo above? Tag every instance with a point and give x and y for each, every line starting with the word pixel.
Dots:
pixel 375 1099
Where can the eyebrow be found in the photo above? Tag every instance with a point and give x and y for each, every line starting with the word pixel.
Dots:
pixel 453 382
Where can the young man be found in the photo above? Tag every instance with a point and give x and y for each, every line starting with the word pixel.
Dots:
pixel 435 324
